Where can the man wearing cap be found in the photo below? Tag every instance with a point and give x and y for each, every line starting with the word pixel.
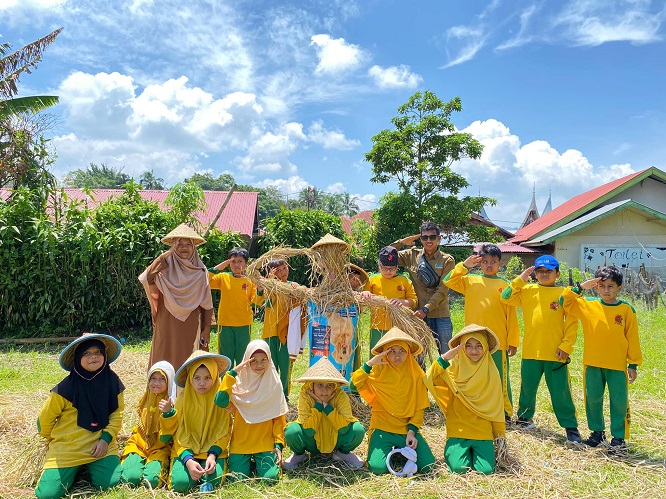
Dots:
pixel 427 266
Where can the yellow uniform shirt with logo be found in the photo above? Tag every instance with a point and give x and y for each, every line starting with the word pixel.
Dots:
pixel 237 295
pixel 395 287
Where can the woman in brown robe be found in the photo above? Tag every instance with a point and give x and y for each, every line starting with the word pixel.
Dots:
pixel 176 284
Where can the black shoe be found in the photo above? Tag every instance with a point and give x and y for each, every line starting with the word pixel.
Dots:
pixel 525 424
pixel 617 446
pixel 596 438
pixel 573 437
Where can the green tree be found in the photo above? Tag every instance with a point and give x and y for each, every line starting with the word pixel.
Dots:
pixel 349 206
pixel 184 199
pixel 209 183
pixel 97 177
pixel 147 180
pixel 271 202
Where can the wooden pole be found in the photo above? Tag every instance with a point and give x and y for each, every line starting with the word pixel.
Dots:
pixel 219 213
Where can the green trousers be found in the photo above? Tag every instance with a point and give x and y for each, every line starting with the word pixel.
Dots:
pixel 463 455
pixel 280 358
pixel 182 482
pixel 267 468
pixel 502 362
pixel 232 342
pixel 595 380
pixel 383 442
pixel 57 482
pixel 375 336
pixel 134 469
pixel 301 440
pixel 559 387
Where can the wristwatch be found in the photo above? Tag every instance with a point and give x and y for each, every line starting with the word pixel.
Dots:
pixel 425 310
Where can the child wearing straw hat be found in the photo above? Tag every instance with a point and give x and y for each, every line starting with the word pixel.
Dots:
pixel 200 429
pixel 391 382
pixel 253 392
pixel 325 423
pixel 145 456
pixel 466 385
pixel 82 417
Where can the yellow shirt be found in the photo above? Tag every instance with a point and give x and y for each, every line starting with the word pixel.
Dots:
pixel 276 315
pixel 169 430
pixel 69 444
pixel 160 451
pixel 483 305
pixel 237 295
pixel 395 287
pixel 547 327
pixel 610 331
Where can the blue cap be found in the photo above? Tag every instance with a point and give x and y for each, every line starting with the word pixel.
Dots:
pixel 547 261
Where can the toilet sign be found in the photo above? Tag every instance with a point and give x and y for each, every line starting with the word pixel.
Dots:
pixel 594 256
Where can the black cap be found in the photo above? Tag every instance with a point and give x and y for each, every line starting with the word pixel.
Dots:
pixel 388 256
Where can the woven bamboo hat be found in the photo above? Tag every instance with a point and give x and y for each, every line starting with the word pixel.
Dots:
pixel 493 341
pixel 324 371
pixel 364 277
pixel 183 231
pixel 396 334
pixel 222 362
pixel 331 239
pixel 113 348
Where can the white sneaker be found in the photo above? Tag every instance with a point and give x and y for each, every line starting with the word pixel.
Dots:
pixel 351 459
pixel 292 462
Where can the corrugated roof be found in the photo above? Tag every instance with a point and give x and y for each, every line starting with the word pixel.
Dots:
pixel 566 211
pixel 510 248
pixel 240 214
pixel 347 221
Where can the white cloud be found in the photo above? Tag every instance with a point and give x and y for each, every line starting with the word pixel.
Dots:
pixel 336 188
pixel 290 186
pixel 335 54
pixel 330 139
pixel 463 43
pixel 522 38
pixel 395 77
pixel 365 201
pixel 271 151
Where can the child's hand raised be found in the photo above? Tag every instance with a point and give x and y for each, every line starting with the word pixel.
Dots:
pixel 451 353
pixel 591 283
pixel 243 364
pixel 165 405
pixel 472 261
pixel 378 359
pixel 525 276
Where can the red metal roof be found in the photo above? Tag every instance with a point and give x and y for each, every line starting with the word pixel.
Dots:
pixel 347 221
pixel 568 208
pixel 511 248
pixel 240 214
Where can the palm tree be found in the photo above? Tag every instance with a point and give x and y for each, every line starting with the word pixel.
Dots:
pixel 349 206
pixel 147 180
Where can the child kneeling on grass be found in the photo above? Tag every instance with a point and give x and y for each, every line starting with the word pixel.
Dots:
pixel 325 423
pixel 254 393
pixel 82 417
pixel 391 382
pixel 200 430
pixel 466 385
pixel 145 456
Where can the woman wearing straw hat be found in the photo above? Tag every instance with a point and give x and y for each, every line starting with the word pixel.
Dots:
pixel 82 417
pixel 176 284
pixel 325 423
pixel 200 429
pixel 466 385
pixel 392 384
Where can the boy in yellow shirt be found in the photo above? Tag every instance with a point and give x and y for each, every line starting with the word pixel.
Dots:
pixel 548 341
pixel 611 353
pixel 237 295
pixel 484 307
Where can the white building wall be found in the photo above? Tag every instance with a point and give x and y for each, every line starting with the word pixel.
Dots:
pixel 650 193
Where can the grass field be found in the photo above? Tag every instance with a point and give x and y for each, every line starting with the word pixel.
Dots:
pixel 540 464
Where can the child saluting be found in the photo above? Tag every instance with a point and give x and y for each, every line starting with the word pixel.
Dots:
pixel 82 417
pixel 466 385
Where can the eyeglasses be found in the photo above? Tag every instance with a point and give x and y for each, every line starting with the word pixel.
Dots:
pixel 429 237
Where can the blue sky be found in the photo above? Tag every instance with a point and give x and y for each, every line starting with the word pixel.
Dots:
pixel 566 95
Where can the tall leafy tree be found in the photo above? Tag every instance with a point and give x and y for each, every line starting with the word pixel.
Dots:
pixel 184 199
pixel 148 180
pixel 209 183
pixel 349 206
pixel 97 177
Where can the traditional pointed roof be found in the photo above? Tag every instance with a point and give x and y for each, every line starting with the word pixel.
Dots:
pixel 532 211
pixel 549 204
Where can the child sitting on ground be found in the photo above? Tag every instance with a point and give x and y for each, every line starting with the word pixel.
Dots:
pixel 484 307
pixel 466 385
pixel 145 456
pixel 325 423
pixel 254 393
pixel 82 417
pixel 391 382
pixel 397 290
pixel 200 430
pixel 548 340
pixel 611 353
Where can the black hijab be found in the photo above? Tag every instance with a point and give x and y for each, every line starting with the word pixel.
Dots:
pixel 93 394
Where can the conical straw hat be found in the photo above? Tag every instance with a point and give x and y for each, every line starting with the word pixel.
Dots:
pixel 395 334
pixel 113 348
pixel 324 371
pixel 493 341
pixel 223 364
pixel 331 239
pixel 183 231
pixel 364 277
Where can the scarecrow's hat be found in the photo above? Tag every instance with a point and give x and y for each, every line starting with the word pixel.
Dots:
pixel 331 239
pixel 363 275
pixel 324 371
pixel 493 341
pixel 113 348
pixel 222 362
pixel 396 334
pixel 183 231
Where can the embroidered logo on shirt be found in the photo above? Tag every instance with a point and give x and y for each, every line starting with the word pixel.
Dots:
pixel 618 320
pixel 94 424
pixel 500 290
pixel 439 265
pixel 244 286
pixel 400 288
pixel 554 305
